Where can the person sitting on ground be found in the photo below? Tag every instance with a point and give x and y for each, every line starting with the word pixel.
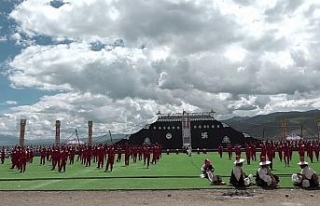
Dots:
pixel 264 177
pixel 238 177
pixel 207 171
pixel 307 178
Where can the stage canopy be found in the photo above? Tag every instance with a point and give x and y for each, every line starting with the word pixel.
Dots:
pixel 293 137
pixel 75 142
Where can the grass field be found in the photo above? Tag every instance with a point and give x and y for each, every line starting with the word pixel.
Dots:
pixel 171 172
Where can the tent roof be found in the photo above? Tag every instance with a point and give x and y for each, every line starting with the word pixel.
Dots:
pixel 293 137
pixel 75 142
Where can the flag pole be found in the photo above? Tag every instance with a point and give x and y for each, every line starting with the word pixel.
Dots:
pixel 110 137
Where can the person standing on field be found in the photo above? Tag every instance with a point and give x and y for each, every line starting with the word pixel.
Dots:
pixel 220 150
pixel 110 159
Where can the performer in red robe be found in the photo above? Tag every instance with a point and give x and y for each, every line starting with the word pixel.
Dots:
pixel 237 151
pixel 310 152
pixel 263 152
pixel 134 154
pixel 63 157
pixel 301 150
pixel 89 156
pixel 3 155
pixel 146 156
pixel 126 154
pixel 72 154
pixel 248 153
pixel 220 150
pixel 55 155
pixel 43 154
pixel 253 152
pixel 286 154
pixel 22 160
pixel 229 151
pixel 270 155
pixel 280 151
pixel 119 153
pixel 140 152
pixel 111 157
pixel 317 150
pixel 100 156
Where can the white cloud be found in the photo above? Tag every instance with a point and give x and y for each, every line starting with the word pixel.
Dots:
pixel 235 53
pixel 75 109
pixel 11 102
pixel 236 57
pixel 3 38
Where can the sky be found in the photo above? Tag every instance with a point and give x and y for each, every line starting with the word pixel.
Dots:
pixel 117 62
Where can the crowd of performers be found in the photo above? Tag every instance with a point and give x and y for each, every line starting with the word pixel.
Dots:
pixel 104 156
pixel 284 150
pixel 306 178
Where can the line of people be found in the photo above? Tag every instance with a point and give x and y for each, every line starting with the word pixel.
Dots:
pixel 284 149
pixel 103 155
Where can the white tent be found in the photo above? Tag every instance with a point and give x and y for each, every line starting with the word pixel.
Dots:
pixel 293 137
pixel 75 142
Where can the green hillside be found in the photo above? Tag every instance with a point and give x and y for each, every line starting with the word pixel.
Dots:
pixel 268 126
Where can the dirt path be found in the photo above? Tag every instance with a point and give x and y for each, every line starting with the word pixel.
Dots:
pixel 260 197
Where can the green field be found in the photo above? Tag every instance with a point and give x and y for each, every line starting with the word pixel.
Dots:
pixel 171 172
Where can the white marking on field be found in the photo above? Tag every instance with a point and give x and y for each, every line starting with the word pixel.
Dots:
pixel 42 184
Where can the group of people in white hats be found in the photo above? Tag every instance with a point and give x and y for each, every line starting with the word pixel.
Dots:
pixel 307 178
pixel 264 177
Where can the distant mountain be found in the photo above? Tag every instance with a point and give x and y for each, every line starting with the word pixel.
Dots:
pixel 269 126
pixel 7 140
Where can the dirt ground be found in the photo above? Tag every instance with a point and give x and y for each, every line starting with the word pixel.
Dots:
pixel 259 197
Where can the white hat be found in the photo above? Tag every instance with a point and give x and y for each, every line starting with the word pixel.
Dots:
pixel 302 163
pixel 238 161
pixel 267 162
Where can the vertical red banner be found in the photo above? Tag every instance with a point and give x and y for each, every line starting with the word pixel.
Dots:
pixel 22 131
pixel 90 123
pixel 58 125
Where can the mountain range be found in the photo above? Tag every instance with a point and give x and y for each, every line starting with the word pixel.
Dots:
pixel 262 127
pixel 273 126
pixel 7 140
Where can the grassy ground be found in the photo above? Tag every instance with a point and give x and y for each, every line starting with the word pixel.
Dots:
pixel 171 172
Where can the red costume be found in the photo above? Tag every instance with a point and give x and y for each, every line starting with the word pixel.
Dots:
pixel 229 150
pixel 43 154
pixel 220 150
pixel 248 153
pixel 286 154
pixel 111 157
pixel 146 156
pixel 100 156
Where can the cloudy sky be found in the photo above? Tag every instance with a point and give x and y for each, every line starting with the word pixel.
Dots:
pixel 119 62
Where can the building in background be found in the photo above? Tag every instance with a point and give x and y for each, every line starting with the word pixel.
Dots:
pixel 181 130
